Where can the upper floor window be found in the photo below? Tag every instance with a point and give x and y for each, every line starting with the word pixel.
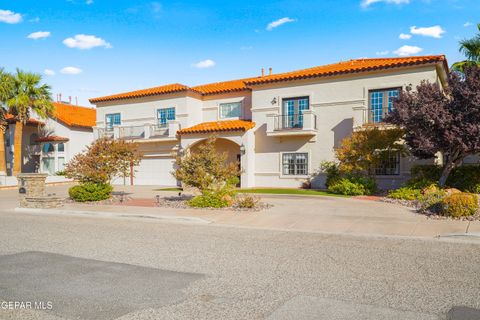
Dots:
pixel 295 164
pixel 61 147
pixel 293 111
pixel 230 110
pixel 48 147
pixel 381 103
pixel 113 119
pixel 165 114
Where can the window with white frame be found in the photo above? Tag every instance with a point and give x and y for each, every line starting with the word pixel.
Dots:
pixel 389 165
pixel 230 110
pixel 295 164
pixel 165 114
pixel 381 103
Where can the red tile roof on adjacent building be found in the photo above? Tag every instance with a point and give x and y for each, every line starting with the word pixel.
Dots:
pixel 11 118
pixel 52 139
pixel 351 66
pixel 219 126
pixel 75 116
pixel 345 67
pixel 169 88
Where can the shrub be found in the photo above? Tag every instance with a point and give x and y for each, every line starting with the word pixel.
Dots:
pixel 247 201
pixel 90 192
pixel 211 200
pixel 405 193
pixel 368 183
pixel 460 205
pixel 332 172
pixel 423 176
pixel 431 199
pixel 465 178
pixel 346 187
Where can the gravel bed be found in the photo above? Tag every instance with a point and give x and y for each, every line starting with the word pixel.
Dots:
pixel 115 199
pixel 180 202
pixel 432 215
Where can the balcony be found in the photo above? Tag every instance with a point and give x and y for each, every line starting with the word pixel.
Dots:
pixel 304 124
pixel 140 133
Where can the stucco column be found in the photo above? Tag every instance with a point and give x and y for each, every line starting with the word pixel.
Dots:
pixel 116 132
pixel 173 127
pixel 146 129
pixel 247 160
pixel 308 120
pixel 271 122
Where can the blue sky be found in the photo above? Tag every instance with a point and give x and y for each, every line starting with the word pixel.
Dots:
pixel 88 48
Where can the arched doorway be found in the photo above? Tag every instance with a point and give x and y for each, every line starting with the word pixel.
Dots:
pixel 222 145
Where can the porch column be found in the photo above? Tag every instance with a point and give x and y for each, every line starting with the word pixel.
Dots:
pixel 247 160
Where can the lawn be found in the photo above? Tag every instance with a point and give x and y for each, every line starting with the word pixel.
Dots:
pixel 293 191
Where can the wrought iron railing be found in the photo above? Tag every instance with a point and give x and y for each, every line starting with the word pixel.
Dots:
pixel 105 132
pixel 132 132
pixel 292 121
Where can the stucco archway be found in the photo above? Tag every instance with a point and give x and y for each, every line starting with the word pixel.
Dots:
pixel 222 145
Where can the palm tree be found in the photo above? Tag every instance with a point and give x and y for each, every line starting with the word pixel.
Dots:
pixel 471 49
pixel 5 92
pixel 28 95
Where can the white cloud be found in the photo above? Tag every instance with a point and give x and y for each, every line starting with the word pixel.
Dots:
pixel 467 24
pixel 367 3
pixel 71 70
pixel 382 53
pixel 89 2
pixel 49 72
pixel 84 42
pixel 11 17
pixel 404 36
pixel 407 50
pixel 272 25
pixel 39 35
pixel 434 31
pixel 208 63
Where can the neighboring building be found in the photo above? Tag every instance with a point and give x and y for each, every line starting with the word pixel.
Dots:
pixel 48 144
pixel 280 126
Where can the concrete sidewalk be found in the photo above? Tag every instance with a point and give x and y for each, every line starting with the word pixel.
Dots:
pixel 296 213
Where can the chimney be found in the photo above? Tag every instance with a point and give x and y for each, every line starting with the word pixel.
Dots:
pixel 263 72
pixel 270 71
pixel 70 99
pixel 59 97
pixel 76 100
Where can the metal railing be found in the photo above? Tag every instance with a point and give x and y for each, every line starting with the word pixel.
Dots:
pixel 132 132
pixel 105 133
pixel 291 122
pixel 159 129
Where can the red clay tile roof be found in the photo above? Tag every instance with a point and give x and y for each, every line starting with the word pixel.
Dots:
pixel 52 139
pixel 223 87
pixel 169 88
pixel 11 119
pixel 219 126
pixel 351 66
pixel 75 116
pixel 345 67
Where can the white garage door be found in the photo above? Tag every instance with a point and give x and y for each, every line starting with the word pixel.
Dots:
pixel 155 171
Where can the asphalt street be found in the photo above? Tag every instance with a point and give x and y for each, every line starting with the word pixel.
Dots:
pixel 101 268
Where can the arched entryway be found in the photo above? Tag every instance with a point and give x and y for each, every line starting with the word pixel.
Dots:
pixel 222 145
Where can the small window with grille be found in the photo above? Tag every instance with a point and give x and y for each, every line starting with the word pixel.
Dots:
pixel 295 164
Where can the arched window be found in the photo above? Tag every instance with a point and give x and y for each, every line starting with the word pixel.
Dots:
pixel 48 147
pixel 33 137
pixel 61 147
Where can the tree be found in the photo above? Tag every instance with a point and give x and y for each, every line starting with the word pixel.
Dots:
pixel 441 120
pixel 5 92
pixel 27 95
pixel 366 148
pixel 103 160
pixel 471 49
pixel 206 169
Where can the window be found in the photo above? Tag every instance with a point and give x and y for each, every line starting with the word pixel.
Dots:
pixel 293 112
pixel 33 137
pixel 381 103
pixel 165 114
pixel 61 147
pixel 230 110
pixel 390 164
pixel 48 165
pixel 111 120
pixel 48 147
pixel 295 164
pixel 61 164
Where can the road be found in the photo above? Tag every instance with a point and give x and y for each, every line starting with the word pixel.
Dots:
pixel 109 268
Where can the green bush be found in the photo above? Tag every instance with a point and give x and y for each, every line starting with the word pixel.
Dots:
pixel 368 183
pixel 423 176
pixel 347 187
pixel 210 200
pixel 90 192
pixel 431 199
pixel 405 193
pixel 465 178
pixel 460 205
pixel 332 172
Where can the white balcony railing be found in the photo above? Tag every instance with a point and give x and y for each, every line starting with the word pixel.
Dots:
pixel 139 132
pixel 295 124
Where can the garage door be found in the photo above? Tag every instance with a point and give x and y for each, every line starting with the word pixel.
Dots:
pixel 155 171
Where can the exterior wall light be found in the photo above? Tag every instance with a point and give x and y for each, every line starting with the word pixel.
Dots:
pixel 242 149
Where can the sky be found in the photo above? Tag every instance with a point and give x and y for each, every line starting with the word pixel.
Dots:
pixel 90 48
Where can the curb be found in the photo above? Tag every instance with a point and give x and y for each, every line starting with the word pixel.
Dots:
pixel 106 214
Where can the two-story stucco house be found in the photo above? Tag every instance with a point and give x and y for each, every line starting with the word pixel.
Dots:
pixel 48 144
pixel 280 126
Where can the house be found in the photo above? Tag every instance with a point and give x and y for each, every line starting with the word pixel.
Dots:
pixel 279 126
pixel 48 144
